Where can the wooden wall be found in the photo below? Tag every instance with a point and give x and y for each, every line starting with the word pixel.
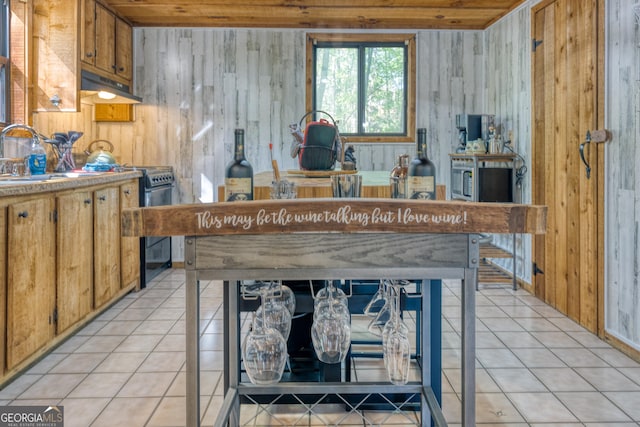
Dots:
pixel 199 84
pixel 508 96
pixel 622 186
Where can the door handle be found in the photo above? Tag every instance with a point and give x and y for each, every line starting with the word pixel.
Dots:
pixel 586 164
pixel 600 135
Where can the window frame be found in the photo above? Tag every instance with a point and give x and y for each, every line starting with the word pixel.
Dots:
pixel 371 38
pixel 5 62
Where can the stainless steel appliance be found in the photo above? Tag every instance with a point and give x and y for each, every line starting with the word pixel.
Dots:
pixel 156 186
pixel 483 178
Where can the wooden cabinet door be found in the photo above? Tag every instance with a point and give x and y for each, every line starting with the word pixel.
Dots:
pixel 74 299
pixel 30 278
pixel 3 287
pixel 105 44
pixel 88 32
pixel 124 48
pixel 106 231
pixel 130 259
pixel 56 56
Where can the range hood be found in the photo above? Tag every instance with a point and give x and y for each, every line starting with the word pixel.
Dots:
pixel 92 85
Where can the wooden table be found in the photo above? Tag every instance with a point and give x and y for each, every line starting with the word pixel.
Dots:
pixel 375 184
pixel 324 239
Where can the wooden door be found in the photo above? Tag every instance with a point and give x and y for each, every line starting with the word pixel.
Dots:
pixel 106 225
pixel 74 290
pixel 105 44
pixel 130 258
pixel 566 93
pixel 30 278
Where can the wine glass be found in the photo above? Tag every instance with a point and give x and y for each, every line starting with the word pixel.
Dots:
pixel 272 313
pixel 331 328
pixel 396 347
pixel 384 314
pixel 377 301
pixel 264 353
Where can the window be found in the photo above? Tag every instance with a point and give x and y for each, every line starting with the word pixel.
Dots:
pixel 366 82
pixel 4 62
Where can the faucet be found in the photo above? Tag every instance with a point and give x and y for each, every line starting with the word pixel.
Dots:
pixel 34 134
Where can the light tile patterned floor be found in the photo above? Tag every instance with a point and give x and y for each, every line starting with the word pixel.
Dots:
pixel 535 367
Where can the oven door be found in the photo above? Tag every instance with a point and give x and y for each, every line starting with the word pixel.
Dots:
pixel 157 196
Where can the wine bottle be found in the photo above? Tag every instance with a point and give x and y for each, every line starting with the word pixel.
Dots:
pixel 421 182
pixel 238 181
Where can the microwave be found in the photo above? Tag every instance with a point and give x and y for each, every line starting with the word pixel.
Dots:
pixel 492 184
pixel 462 183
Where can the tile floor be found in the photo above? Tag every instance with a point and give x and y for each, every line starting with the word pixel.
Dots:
pixel 534 366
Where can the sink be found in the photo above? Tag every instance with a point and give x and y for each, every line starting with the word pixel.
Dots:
pixel 15 180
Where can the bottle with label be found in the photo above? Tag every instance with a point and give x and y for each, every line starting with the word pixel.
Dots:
pixel 421 176
pixel 238 181
pixel 398 178
pixel 37 158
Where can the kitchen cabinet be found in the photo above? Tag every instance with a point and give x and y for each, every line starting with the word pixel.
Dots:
pixel 88 32
pixel 113 43
pixel 30 277
pixel 3 287
pixel 52 234
pixel 74 260
pixel 106 245
pixel 130 250
pixel 56 60
pixel 71 35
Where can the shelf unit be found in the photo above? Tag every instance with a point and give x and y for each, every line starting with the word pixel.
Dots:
pixel 469 184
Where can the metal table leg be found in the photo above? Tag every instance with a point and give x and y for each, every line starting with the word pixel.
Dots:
pixel 192 330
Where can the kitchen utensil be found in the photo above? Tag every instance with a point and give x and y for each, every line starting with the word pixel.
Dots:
pixel 99 151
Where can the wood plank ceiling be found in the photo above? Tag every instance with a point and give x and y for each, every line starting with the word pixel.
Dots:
pixel 352 14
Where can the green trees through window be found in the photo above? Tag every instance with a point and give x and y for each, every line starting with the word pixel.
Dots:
pixel 365 83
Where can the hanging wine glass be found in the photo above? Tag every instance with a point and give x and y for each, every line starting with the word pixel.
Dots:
pixel 377 301
pixel 264 354
pixel 331 328
pixel 330 290
pixel 384 314
pixel 284 294
pixel 273 313
pixel 396 347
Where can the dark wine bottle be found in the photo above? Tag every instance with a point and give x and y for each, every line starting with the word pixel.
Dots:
pixel 421 182
pixel 238 180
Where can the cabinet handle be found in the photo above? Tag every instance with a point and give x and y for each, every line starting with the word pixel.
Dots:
pixel 89 55
pixel 121 69
pixel 114 67
pixel 102 198
pixel 23 214
pixel 87 201
pixel 127 192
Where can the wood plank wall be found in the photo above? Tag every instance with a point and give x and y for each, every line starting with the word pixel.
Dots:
pixel 199 84
pixel 508 96
pixel 622 185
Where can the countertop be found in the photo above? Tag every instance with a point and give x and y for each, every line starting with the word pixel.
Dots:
pixel 10 186
pixel 375 184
